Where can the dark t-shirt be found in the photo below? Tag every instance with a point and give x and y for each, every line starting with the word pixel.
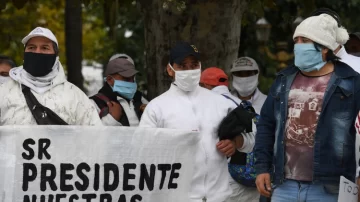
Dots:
pixel 304 107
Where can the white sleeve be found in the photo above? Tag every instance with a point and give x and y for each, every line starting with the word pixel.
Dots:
pixel 249 140
pixel 357 145
pixel 108 120
pixel 149 118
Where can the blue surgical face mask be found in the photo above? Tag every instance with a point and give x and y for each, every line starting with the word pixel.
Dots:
pixel 307 58
pixel 125 89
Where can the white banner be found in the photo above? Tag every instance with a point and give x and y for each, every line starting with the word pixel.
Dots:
pixel 348 191
pixel 95 164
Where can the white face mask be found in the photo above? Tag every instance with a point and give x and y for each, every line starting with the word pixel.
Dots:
pixel 187 80
pixel 4 79
pixel 245 86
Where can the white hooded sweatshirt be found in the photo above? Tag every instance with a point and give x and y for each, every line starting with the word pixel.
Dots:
pixel 62 97
pixel 200 110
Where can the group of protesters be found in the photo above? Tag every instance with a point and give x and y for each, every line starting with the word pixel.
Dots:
pixel 293 144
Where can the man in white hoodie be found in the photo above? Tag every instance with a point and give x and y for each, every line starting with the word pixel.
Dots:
pixel 42 77
pixel 187 106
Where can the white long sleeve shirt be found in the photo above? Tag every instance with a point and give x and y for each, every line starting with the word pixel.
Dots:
pixel 200 110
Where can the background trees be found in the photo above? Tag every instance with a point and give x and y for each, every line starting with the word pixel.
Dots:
pixel 146 29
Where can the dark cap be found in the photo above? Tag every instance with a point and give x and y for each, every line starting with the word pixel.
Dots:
pixel 355 34
pixel 181 51
pixel 121 66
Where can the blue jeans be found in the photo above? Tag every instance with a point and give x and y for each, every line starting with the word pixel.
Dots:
pixel 296 191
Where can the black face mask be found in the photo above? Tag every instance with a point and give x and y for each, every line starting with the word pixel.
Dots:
pixel 38 64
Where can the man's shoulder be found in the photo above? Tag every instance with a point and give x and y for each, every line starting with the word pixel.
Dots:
pixel 162 100
pixel 217 101
pixel 70 88
pixel 68 91
pixel 345 69
pixel 205 93
pixel 10 87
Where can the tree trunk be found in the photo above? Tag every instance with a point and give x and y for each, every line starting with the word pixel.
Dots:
pixel 73 42
pixel 212 25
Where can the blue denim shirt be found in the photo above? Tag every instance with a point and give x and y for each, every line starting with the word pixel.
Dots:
pixel 334 141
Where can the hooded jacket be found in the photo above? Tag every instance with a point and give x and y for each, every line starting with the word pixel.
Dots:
pixel 200 110
pixel 63 98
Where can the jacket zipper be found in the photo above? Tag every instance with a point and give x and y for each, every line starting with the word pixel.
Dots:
pixel 204 148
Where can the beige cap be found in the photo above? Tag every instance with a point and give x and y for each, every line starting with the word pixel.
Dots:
pixel 244 64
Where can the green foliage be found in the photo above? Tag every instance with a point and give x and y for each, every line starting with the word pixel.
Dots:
pixel 127 19
pixel 105 23
pixel 11 34
pixel 97 46
pixel 17 23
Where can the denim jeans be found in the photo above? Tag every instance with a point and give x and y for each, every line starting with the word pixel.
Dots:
pixel 264 199
pixel 296 191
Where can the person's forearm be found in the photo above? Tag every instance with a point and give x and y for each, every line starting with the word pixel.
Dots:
pixel 239 141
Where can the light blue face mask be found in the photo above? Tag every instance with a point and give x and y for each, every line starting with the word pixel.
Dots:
pixel 307 58
pixel 125 89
